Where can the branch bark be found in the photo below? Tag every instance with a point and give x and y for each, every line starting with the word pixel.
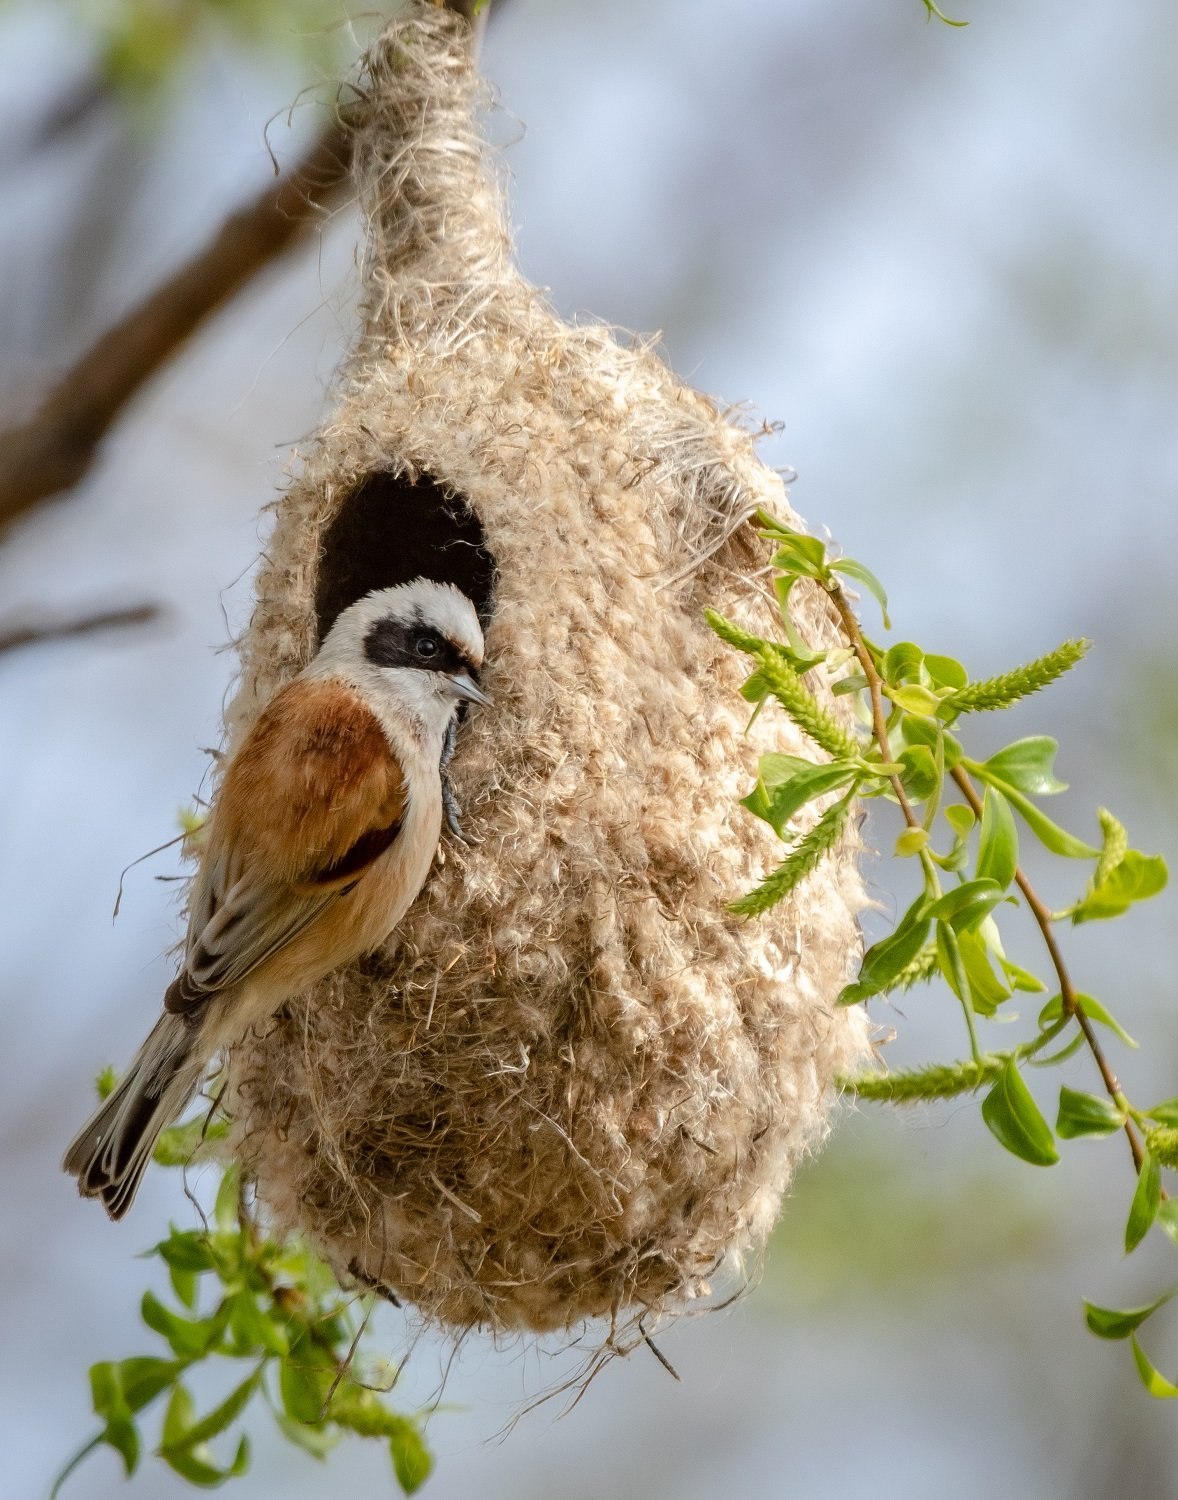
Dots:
pixel 58 446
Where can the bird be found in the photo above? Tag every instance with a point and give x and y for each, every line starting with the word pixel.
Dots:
pixel 321 834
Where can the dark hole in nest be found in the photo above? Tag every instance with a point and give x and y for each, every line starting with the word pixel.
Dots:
pixel 392 529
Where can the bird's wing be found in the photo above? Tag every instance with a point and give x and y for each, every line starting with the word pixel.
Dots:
pixel 312 798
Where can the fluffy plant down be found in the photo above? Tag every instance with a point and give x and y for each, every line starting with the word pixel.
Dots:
pixel 573 1084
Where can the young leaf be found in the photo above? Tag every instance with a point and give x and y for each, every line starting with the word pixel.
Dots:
pixel 914 699
pixel 1152 1379
pixel 986 989
pixel 1093 1009
pixel 1165 1113
pixel 903 663
pixel 143 1378
pixel 218 1419
pixel 856 570
pixel 1049 834
pixel 1028 766
pixel 781 799
pixel 1144 1208
pixel 967 904
pixel 1136 878
pixel 303 1389
pixel 998 841
pixel 189 1338
pixel 1016 1121
pixel 1086 1114
pixel 885 961
pixel 412 1460
pixel 911 842
pixel 945 671
pixel 1119 1323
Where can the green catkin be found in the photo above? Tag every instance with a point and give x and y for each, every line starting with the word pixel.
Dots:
pixel 941 1081
pixel 1163 1143
pixel 1114 846
pixel 920 970
pixel 1001 692
pixel 801 861
pixel 780 679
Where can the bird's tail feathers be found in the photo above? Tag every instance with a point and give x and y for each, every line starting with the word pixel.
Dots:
pixel 110 1153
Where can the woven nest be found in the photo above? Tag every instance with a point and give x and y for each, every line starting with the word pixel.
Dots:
pixel 572 1084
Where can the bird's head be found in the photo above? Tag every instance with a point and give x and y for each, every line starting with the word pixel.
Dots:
pixel 420 642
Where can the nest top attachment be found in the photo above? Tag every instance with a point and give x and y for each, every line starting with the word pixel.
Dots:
pixel 572 1085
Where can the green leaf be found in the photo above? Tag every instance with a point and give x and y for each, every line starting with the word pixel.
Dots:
pixel 1152 1379
pixel 986 989
pixel 303 1389
pixel 1165 1113
pixel 1016 1121
pixel 317 1441
pixel 778 800
pixel 914 699
pixel 852 569
pixel 885 961
pixel 903 663
pixel 1050 834
pixel 945 671
pixel 1144 1208
pixel 225 1208
pixel 1136 878
pixel 254 1328
pixel 961 819
pixel 178 1417
pixel 1093 1009
pixel 1086 1114
pixel 967 904
pixel 998 841
pixel 911 842
pixel 180 1145
pixel 123 1436
pixel 1120 1322
pixel 218 1419
pixel 194 1466
pixel 803 555
pixel 919 777
pixel 1028 766
pixel 106 1390
pixel 1168 1218
pixel 412 1460
pixel 187 1250
pixel 188 1337
pixel 144 1377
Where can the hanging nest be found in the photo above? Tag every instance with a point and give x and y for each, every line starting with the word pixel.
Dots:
pixel 572 1084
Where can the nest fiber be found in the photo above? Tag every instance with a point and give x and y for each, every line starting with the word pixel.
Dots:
pixel 572 1084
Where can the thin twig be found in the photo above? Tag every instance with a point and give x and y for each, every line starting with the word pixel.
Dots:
pixel 14 637
pixel 1069 999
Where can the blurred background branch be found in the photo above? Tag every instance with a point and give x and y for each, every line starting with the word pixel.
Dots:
pixel 12 637
pixel 56 447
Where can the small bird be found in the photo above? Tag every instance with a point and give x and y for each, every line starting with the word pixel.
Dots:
pixel 322 832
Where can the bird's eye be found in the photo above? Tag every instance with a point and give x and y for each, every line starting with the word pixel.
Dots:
pixel 425 646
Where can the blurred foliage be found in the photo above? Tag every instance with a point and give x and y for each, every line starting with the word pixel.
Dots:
pixel 963 820
pixel 142 45
pixel 269 1305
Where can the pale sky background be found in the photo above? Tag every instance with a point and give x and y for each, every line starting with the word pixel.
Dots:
pixel 948 261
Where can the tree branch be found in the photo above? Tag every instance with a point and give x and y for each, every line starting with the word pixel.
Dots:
pixel 57 447
pixel 13 637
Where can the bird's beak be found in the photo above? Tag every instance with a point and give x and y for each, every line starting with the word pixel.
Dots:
pixel 464 687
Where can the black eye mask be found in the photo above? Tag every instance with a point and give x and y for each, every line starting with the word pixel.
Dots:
pixel 395 643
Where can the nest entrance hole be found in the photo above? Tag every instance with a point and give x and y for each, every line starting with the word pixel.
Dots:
pixel 392 529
